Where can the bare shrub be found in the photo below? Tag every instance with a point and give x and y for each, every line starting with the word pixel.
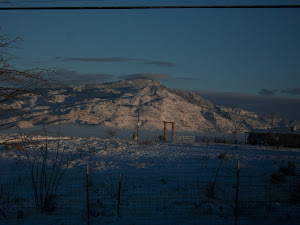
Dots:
pixel 47 167
pixel 210 191
pixel 2 193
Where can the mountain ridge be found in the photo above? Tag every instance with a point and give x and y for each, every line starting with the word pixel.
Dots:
pixel 115 105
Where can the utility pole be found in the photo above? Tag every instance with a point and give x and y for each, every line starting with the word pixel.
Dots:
pixel 138 125
pixel 272 123
pixel 173 129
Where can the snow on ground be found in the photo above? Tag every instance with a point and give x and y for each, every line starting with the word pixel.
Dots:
pixel 161 183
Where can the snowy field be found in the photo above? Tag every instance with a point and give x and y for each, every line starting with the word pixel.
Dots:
pixel 147 182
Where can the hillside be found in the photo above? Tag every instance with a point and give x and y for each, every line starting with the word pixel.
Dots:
pixel 116 104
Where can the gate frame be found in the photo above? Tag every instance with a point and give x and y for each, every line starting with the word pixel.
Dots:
pixel 165 130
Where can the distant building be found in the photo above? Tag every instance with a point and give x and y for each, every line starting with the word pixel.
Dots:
pixel 275 137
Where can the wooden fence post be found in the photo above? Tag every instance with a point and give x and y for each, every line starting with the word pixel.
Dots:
pixel 165 131
pixel 237 192
pixel 173 130
pixel 87 194
pixel 119 193
pixel 138 126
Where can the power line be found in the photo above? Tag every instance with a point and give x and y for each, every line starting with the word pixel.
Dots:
pixel 151 7
pixel 51 1
pixel 83 1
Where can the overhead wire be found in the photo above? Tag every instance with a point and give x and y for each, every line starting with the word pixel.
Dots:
pixel 225 2
pixel 51 1
pixel 134 5
pixel 150 7
pixel 16 5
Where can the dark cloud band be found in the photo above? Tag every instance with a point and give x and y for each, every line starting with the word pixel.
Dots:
pixel 289 91
pixel 153 76
pixel 187 78
pixel 262 104
pixel 267 92
pixel 74 78
pixel 118 60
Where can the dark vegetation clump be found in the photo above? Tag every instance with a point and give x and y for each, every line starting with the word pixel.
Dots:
pixel 49 204
pixel 111 134
pixel 295 195
pixel 210 191
pixel 289 170
pixel 222 155
pixel 280 176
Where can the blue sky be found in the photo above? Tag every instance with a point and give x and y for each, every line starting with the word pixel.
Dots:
pixel 254 51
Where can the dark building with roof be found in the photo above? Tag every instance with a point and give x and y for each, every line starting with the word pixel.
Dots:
pixel 275 137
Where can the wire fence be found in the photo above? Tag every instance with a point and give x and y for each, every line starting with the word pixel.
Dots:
pixel 154 198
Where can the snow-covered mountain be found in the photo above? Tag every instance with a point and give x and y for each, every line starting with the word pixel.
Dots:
pixel 116 105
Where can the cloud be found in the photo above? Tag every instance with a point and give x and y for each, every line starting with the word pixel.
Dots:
pixel 159 63
pixel 152 76
pixel 104 59
pixel 118 60
pixel 267 92
pixel 73 77
pixel 187 78
pixel 291 91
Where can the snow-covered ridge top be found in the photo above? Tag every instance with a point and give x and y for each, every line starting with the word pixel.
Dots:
pixel 137 82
